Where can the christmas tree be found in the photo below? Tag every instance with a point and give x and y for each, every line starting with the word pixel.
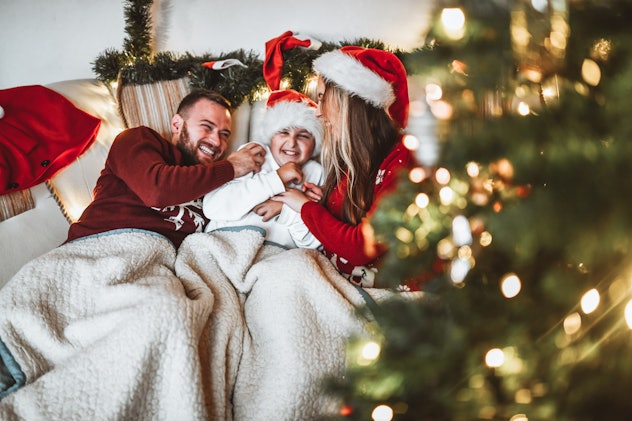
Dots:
pixel 521 230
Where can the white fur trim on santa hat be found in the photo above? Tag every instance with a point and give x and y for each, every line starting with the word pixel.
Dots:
pixel 292 114
pixel 351 75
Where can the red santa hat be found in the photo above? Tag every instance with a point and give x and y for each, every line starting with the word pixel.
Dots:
pixel 377 76
pixel 273 63
pixel 288 108
pixel 41 132
pixel 291 109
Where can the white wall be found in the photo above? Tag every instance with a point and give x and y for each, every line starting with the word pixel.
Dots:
pixel 44 41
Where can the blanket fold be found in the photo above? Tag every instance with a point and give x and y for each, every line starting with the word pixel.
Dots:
pixel 121 326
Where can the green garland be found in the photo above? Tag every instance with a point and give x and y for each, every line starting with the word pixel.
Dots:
pixel 137 64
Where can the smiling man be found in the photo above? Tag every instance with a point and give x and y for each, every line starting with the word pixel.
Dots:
pixel 153 184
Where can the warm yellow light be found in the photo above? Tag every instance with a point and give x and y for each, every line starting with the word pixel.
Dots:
pixel 628 314
pixel 519 417
pixel 371 350
pixel 522 396
pixel 486 239
pixel 523 108
pixel 494 358
pixel 382 413
pixel 422 200
pixel 453 21
pixel 417 175
pixel 572 323
pixel 591 72
pixel 433 92
pixel 411 142
pixel 446 195
pixel 510 285
pixel 590 301
pixel 459 270
pixel 442 110
pixel 404 235
pixel 472 169
pixel 442 175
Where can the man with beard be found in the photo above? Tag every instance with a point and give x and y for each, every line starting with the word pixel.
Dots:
pixel 156 185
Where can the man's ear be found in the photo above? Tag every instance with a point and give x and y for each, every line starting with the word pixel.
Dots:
pixel 176 124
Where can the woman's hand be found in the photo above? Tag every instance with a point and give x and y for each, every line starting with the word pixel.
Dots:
pixel 313 191
pixel 268 209
pixel 294 198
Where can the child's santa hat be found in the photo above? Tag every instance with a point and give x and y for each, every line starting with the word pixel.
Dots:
pixel 288 108
pixel 376 76
pixel 291 109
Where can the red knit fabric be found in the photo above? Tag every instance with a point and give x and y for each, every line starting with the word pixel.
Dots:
pixel 146 185
pixel 273 63
pixel 40 134
pixel 346 240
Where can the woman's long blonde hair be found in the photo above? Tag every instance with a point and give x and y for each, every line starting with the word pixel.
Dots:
pixel 358 137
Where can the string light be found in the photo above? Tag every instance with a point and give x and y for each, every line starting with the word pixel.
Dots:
pixel 442 175
pixel 572 324
pixel 494 358
pixel 628 314
pixel 510 285
pixel 591 73
pixel 590 301
pixel 382 413
pixel 453 21
pixel 422 200
pixel 410 142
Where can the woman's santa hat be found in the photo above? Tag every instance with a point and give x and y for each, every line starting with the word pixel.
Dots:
pixel 377 76
pixel 288 108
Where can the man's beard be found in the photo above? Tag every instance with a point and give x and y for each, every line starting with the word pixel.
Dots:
pixel 184 144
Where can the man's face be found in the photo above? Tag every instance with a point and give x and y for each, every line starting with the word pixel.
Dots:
pixel 292 145
pixel 202 135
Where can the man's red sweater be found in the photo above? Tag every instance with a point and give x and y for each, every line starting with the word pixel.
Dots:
pixel 146 185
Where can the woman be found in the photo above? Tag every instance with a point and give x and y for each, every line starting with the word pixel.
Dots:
pixel 363 99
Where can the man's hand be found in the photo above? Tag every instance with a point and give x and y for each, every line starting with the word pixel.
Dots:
pixel 268 209
pixel 247 159
pixel 290 172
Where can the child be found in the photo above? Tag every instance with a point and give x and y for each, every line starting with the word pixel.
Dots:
pixel 291 134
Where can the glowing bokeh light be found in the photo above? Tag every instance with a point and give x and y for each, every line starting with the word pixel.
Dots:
pixel 472 169
pixel 417 175
pixel 494 358
pixel 371 350
pixel 572 323
pixel 628 314
pixel 442 175
pixel 510 285
pixel 434 92
pixel 446 195
pixel 442 110
pixel 590 301
pixel 591 73
pixel 422 200
pixel 411 142
pixel 382 413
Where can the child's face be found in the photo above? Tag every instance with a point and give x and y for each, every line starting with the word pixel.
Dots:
pixel 292 145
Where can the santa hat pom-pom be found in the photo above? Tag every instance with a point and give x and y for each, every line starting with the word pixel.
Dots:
pixel 1 111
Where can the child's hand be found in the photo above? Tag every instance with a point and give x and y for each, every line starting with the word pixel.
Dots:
pixel 314 192
pixel 290 173
pixel 268 209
